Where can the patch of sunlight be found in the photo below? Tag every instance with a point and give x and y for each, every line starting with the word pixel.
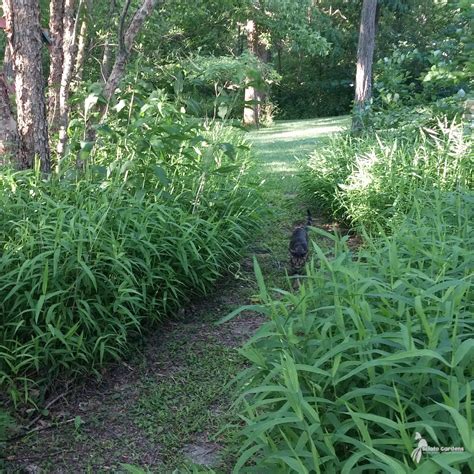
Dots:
pixel 299 134
pixel 281 167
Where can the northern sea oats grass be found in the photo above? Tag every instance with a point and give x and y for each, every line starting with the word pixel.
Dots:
pixel 372 348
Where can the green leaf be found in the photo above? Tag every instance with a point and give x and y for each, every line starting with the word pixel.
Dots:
pixel 120 105
pixel 160 173
pixel 228 149
pixel 132 469
pixel 462 427
pixel 90 102
pixel 465 348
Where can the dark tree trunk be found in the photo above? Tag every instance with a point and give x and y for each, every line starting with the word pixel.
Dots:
pixel 365 55
pixel 239 43
pixel 56 31
pixel 25 40
pixel 8 130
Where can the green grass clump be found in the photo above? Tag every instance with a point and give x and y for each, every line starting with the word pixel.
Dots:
pixel 373 179
pixel 369 351
pixel 88 259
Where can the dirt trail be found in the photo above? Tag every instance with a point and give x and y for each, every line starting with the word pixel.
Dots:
pixel 170 405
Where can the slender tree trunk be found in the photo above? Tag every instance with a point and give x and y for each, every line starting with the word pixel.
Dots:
pixel 82 45
pixel 125 45
pixel 239 46
pixel 365 55
pixel 250 108
pixel 56 30
pixel 254 96
pixel 9 143
pixel 71 20
pixel 250 94
pixel 106 63
pixel 126 40
pixel 263 55
pixel 25 40
pixel 81 54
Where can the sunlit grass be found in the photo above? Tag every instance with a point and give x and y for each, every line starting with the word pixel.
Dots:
pixel 278 147
pixel 280 167
pixel 372 179
pixel 287 140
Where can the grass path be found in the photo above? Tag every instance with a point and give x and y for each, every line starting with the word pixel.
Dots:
pixel 170 403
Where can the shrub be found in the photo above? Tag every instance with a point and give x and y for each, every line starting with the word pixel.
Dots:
pixel 328 168
pixel 88 260
pixel 371 180
pixel 369 351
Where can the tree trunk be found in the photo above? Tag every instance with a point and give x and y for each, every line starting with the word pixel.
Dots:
pixel 263 54
pixel 125 46
pixel 365 55
pixel 254 96
pixel 121 58
pixel 106 63
pixel 25 40
pixel 71 20
pixel 8 129
pixel 82 43
pixel 250 94
pixel 81 54
pixel 250 108
pixel 56 30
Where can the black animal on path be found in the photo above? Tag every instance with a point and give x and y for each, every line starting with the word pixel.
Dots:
pixel 299 245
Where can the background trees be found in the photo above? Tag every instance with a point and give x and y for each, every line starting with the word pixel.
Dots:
pixel 25 38
pixel 296 59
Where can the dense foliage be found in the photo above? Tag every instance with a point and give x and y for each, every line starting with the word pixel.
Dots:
pixel 371 349
pixel 89 259
pixel 154 198
pixel 377 346
pixel 371 180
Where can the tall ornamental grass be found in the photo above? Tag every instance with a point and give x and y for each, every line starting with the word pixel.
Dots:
pixel 372 180
pixel 369 351
pixel 88 259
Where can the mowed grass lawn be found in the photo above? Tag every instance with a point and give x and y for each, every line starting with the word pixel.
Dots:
pixel 278 147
